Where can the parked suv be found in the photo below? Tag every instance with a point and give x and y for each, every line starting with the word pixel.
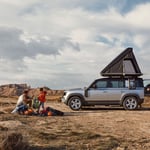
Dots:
pixel 128 93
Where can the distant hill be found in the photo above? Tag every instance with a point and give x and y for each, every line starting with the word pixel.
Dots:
pixel 10 90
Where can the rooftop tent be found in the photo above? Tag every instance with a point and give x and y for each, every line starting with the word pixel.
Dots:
pixel 123 65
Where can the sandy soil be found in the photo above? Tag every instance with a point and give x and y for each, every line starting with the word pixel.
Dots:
pixel 103 128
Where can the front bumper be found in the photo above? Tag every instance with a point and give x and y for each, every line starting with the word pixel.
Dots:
pixel 64 100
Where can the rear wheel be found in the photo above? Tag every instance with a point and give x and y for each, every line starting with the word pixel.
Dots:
pixel 130 103
pixel 75 103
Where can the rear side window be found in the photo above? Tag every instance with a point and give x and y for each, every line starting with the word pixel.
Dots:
pixel 139 83
pixel 116 84
pixel 130 84
pixel 133 83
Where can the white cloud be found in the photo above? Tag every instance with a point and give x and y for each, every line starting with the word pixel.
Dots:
pixel 139 17
pixel 65 44
pixel 15 45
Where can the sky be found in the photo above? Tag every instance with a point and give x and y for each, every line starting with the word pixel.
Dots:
pixel 65 44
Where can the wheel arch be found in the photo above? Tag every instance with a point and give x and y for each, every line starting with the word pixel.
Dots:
pixel 130 95
pixel 78 95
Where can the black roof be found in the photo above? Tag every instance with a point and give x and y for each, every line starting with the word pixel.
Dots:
pixel 124 64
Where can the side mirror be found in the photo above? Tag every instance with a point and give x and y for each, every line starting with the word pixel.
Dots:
pixel 94 86
pixel 85 88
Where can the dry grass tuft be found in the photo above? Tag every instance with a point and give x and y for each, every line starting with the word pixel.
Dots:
pixel 14 141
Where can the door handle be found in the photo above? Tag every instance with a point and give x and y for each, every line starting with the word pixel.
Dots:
pixel 104 91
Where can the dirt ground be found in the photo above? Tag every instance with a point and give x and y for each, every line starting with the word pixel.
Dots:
pixel 99 128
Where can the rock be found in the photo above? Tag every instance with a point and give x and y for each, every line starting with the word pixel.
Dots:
pixel 11 90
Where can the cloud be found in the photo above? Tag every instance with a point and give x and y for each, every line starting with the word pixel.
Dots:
pixel 123 7
pixel 67 43
pixel 15 45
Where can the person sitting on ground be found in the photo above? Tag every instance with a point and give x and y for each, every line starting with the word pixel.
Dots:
pixel 23 101
pixel 42 99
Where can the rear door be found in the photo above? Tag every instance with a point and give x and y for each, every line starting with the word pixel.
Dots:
pixel 114 90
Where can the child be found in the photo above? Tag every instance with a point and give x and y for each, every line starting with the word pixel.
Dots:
pixel 41 98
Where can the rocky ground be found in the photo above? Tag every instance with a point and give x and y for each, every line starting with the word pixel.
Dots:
pixel 100 128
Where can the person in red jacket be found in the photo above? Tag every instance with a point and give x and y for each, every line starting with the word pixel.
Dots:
pixel 42 99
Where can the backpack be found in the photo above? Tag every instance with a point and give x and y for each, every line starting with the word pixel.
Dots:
pixel 55 112
pixel 43 113
pixel 35 103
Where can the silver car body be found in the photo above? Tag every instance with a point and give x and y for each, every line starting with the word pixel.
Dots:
pixel 100 92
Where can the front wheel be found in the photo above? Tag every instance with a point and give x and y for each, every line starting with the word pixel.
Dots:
pixel 130 103
pixel 75 103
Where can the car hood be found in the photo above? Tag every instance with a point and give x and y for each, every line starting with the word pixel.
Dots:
pixel 75 89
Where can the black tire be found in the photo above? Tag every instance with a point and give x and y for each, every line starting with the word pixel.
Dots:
pixel 130 103
pixel 75 103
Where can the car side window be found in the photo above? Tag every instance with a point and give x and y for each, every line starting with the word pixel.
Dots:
pixel 121 84
pixel 108 84
pixel 101 84
pixel 115 84
pixel 139 83
pixel 130 84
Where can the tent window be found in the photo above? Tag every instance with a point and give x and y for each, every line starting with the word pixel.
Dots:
pixel 128 67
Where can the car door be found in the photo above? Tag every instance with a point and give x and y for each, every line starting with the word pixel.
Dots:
pixel 97 91
pixel 114 90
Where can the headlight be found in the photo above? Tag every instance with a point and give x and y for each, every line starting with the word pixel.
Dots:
pixel 64 93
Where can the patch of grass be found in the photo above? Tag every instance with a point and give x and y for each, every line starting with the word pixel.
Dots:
pixel 14 141
pixel 84 135
pixel 42 136
pixel 56 98
pixel 3 128
pixel 108 143
pixel 48 148
pixel 47 136
pixel 7 117
pixel 1 112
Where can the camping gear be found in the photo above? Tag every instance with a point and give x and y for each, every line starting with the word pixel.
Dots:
pixel 43 113
pixel 124 65
pixel 55 112
pixel 29 112
pixel 35 103
pixel 51 112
